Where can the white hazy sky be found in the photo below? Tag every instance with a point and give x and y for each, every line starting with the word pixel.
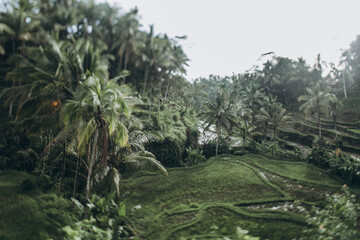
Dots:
pixel 228 36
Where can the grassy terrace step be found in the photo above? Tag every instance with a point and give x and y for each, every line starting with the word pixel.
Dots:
pixel 351 129
pixel 190 200
pixel 299 171
pixel 307 139
pixel 349 140
pixel 327 122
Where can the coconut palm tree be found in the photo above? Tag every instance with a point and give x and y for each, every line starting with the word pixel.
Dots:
pixel 99 111
pixel 220 114
pixel 251 97
pixel 128 37
pixel 273 114
pixel 317 101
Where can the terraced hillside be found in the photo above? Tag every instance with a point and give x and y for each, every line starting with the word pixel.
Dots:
pixel 252 191
pixel 303 131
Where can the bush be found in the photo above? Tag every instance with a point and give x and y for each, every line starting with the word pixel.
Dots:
pixel 33 183
pixel 273 149
pixel 345 167
pixel 106 220
pixel 319 153
pixel 339 219
pixel 209 148
pixel 168 152
pixel 194 156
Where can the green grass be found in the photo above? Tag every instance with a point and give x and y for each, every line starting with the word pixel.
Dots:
pixel 300 171
pixel 31 215
pixel 191 200
pixel 225 192
pixel 355 130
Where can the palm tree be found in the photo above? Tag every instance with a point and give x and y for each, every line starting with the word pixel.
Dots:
pixel 127 39
pixel 317 101
pixel 251 98
pixel 334 111
pixel 99 112
pixel 220 114
pixel 273 114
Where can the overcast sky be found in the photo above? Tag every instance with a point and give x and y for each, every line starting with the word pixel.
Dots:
pixel 228 36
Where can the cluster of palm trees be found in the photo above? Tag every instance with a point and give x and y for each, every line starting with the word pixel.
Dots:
pixel 63 69
pixel 251 113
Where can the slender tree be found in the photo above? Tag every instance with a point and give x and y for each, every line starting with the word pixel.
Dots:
pixel 317 101
pixel 220 114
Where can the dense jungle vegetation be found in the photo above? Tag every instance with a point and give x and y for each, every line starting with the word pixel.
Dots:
pixel 103 137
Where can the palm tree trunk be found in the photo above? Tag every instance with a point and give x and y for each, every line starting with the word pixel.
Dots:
pixel 243 142
pixel 150 97
pixel 217 144
pixel 274 132
pixel 11 103
pixel 334 118
pixel 47 155
pixel 345 95
pixel 218 133
pixel 91 163
pixel 167 88
pixel 76 175
pixel 318 113
pixel 319 124
pixel 145 79
pixel 63 170
pixel 126 62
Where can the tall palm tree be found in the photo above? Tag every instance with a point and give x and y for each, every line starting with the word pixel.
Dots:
pixel 128 37
pixel 317 101
pixel 273 114
pixel 99 111
pixel 220 114
pixel 251 98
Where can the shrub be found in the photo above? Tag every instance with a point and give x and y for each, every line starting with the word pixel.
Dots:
pixel 175 118
pixel 209 148
pixel 33 183
pixel 345 167
pixel 194 156
pixel 273 149
pixel 168 152
pixel 319 153
pixel 338 220
pixel 106 221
